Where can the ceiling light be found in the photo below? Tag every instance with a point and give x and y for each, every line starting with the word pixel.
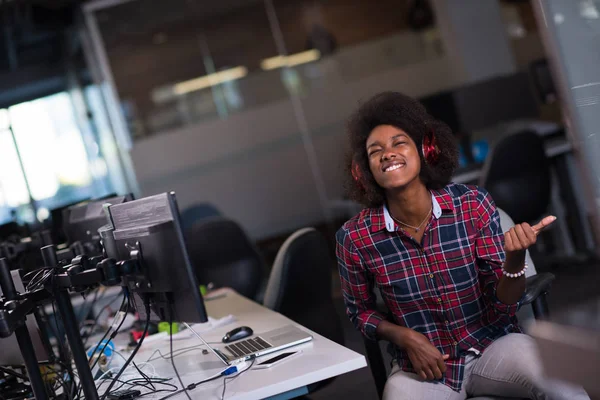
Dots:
pixel 170 92
pixel 210 80
pixel 291 60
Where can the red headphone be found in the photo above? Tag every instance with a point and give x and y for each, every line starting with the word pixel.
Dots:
pixel 357 174
pixel 430 149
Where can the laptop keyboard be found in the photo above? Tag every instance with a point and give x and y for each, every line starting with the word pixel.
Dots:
pixel 247 347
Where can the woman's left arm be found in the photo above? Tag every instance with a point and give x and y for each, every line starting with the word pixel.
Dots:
pixel 496 252
pixel 516 241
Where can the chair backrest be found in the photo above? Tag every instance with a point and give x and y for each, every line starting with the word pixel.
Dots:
pixel 223 254
pixel 517 175
pixel 194 213
pixel 299 286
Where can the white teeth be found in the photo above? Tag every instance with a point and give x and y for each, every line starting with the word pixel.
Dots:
pixel 394 167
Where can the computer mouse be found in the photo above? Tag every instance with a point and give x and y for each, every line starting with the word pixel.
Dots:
pixel 237 334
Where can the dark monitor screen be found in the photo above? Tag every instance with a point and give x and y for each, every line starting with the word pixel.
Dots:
pixel 487 103
pixel 57 221
pixel 442 106
pixel 83 220
pixel 151 227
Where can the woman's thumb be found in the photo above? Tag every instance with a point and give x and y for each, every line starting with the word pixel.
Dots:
pixel 446 356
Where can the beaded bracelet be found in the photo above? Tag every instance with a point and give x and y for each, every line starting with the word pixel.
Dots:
pixel 516 274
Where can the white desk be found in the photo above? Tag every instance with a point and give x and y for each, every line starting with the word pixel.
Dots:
pixel 320 359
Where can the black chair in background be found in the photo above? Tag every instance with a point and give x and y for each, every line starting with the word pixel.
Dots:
pixel 224 255
pixel 300 288
pixel 197 212
pixel 517 176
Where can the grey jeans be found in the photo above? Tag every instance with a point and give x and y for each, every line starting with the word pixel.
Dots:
pixel 509 367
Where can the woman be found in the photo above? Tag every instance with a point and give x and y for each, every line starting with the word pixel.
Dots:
pixel 450 278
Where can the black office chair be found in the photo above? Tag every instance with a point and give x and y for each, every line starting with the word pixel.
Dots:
pixel 222 254
pixel 299 286
pixel 197 212
pixel 538 286
pixel 517 176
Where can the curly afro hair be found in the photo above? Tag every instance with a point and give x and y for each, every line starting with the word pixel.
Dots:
pixel 406 113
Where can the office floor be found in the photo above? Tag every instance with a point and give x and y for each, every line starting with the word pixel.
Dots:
pixel 574 283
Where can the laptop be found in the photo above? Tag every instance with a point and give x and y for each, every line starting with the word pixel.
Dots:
pixel 258 345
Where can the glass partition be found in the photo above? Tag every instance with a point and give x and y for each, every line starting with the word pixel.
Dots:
pixel 570 30
pixel 182 62
pixel 45 161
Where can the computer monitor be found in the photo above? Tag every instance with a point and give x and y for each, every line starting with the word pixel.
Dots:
pixel 58 216
pixel 149 230
pixel 84 220
pixel 11 354
pixel 488 103
pixel 442 106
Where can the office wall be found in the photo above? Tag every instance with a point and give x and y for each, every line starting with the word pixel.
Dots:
pixel 161 44
pixel 475 37
pixel 349 64
pixel 253 166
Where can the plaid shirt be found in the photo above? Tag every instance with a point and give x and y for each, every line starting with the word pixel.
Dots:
pixel 444 288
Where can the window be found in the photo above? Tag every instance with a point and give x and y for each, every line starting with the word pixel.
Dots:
pixel 13 190
pixel 44 161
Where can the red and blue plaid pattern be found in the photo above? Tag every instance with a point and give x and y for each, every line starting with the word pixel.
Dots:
pixel 444 288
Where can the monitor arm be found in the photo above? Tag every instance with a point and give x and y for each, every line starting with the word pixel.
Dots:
pixel 83 273
pixel 12 320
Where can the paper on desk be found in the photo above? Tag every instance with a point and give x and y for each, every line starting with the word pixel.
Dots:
pixel 212 324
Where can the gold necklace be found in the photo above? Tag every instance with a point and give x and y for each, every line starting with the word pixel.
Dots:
pixel 415 228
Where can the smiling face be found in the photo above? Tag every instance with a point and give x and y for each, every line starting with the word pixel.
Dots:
pixel 393 157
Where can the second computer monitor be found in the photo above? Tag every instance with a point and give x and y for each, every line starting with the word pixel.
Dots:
pixel 487 103
pixel 442 106
pixel 149 230
pixel 59 216
pixel 84 220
